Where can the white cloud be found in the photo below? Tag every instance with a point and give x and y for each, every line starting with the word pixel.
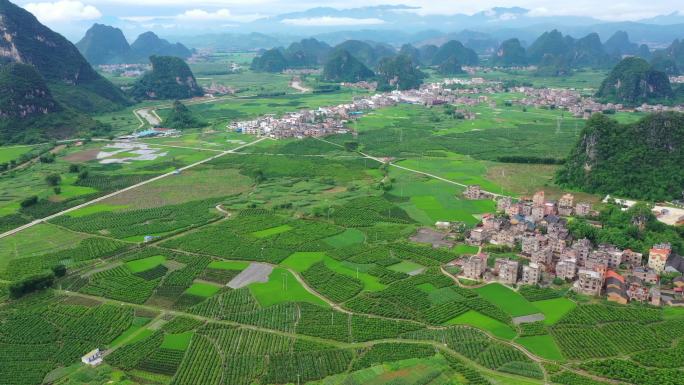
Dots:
pixel 63 11
pixel 200 14
pixel 331 21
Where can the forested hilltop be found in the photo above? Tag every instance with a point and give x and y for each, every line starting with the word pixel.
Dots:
pixel 170 78
pixel 71 79
pixel 643 160
pixel 634 81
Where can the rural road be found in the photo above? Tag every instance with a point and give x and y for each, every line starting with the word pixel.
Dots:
pixel 495 195
pixel 115 193
pixel 149 115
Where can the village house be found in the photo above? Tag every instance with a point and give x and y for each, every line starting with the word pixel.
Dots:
pixel 631 258
pixel 477 236
pixel 566 269
pixel 583 248
pixel 503 204
pixel 646 274
pixel 567 200
pixel 443 225
pixel 655 296
pixel 92 358
pixel 537 213
pixel 583 209
pixel 474 191
pixel 589 282
pixel 542 256
pixel 507 270
pixel 531 274
pixel 532 242
pixel 658 255
pixel 637 290
pixel 615 288
pixel 475 266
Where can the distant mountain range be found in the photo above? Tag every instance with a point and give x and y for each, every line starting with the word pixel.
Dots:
pixel 399 24
pixel 103 44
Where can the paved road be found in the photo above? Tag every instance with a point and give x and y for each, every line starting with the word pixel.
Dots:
pixel 38 221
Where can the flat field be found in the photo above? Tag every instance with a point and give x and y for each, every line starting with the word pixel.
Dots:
pixel 554 309
pixel 508 300
pixel 543 346
pixel 481 321
pixel 283 287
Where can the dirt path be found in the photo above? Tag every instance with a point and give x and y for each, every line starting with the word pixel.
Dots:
pixel 412 170
pixel 149 115
pixel 296 83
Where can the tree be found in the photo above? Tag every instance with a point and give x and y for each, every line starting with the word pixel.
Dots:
pixel 53 179
pixel 30 201
pixel 351 146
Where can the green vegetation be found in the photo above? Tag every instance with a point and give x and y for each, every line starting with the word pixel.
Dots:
pixel 180 117
pixel 554 309
pixel 140 265
pixel 343 67
pixel 202 290
pixel 507 299
pixel 635 228
pixel 351 298
pixel 481 321
pixel 162 83
pixel 399 72
pixel 543 346
pixel 609 158
pixel 282 287
pixel 634 82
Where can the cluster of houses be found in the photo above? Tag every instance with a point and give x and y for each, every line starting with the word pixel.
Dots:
pixel 537 228
pixel 125 70
pixel 576 103
pixel 333 119
pixel 219 89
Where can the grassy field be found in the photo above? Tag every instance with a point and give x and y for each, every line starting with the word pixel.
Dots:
pixel 140 265
pixel 272 231
pixel 543 346
pixel 554 309
pixel 431 200
pixel 406 267
pixel 179 341
pixel 202 289
pixel 508 300
pixel 282 287
pixel 37 240
pixel 194 184
pixel 8 153
pixel 347 238
pixel 301 261
pixel 480 321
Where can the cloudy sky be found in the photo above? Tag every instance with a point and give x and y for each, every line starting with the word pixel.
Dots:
pixel 66 16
